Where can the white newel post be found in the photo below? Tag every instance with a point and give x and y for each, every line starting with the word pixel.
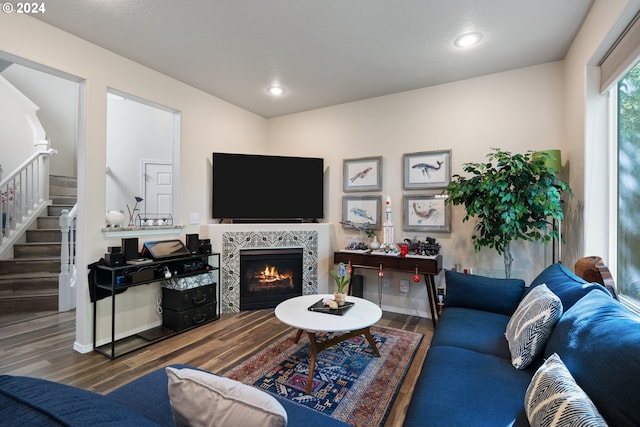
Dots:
pixel 66 288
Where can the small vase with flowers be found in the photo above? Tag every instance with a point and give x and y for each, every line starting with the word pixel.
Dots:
pixel 342 276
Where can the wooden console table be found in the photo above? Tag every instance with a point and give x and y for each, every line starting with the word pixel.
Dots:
pixel 429 267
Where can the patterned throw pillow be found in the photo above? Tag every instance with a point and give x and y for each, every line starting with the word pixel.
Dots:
pixel 553 398
pixel 532 324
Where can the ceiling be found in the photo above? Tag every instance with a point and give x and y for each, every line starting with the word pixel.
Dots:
pixel 321 52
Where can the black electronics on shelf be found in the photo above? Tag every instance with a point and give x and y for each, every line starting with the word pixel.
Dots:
pixel 130 248
pixel 193 243
pixel 107 281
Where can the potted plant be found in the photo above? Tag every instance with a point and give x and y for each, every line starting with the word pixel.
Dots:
pixel 373 238
pixel 512 196
pixel 342 276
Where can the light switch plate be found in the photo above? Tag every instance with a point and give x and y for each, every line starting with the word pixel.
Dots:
pixel 194 218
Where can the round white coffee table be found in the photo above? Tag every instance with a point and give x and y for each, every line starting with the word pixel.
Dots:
pixel 356 321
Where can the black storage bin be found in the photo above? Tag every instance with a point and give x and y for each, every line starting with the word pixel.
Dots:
pixel 181 320
pixel 189 298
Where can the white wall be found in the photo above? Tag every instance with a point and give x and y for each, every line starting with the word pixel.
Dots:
pixel 20 126
pixel 208 124
pixel 58 102
pixel 518 110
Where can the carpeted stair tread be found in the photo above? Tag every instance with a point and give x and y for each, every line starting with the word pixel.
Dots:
pixel 27 260
pixel 27 293
pixel 29 275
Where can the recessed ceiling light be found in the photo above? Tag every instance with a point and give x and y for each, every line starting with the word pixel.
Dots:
pixel 468 40
pixel 275 91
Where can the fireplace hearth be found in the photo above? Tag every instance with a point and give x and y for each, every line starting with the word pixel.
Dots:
pixel 269 276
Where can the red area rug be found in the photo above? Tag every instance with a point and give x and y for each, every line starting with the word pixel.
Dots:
pixel 349 382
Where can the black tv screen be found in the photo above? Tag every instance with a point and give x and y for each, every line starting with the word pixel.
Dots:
pixel 267 188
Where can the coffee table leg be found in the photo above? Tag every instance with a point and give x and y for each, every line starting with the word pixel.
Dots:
pixel 312 361
pixel 372 343
pixel 297 338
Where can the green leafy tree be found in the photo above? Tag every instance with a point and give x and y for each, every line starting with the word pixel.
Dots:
pixel 628 96
pixel 512 196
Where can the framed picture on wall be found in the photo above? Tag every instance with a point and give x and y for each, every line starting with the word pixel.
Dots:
pixel 427 169
pixel 360 211
pixel 363 174
pixel 426 213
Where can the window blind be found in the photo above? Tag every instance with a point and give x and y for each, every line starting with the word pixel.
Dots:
pixel 621 56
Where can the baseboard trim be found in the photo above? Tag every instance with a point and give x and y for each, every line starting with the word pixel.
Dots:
pixel 404 310
pixel 80 348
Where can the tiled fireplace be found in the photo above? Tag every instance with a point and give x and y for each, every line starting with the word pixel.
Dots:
pixel 269 276
pixel 233 243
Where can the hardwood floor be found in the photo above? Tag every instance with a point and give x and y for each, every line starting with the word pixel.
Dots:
pixel 42 346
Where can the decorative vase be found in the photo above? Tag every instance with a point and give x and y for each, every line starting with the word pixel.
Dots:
pixel 340 298
pixel 374 245
pixel 114 218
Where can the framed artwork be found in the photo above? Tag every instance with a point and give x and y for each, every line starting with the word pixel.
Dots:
pixel 426 213
pixel 362 210
pixel 428 169
pixel 363 174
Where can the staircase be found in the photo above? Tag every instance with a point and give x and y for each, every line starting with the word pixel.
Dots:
pixel 29 280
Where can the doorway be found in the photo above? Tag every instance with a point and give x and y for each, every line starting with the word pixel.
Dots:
pixel 142 145
pixel 157 188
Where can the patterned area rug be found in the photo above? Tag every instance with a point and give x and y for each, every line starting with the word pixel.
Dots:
pixel 349 382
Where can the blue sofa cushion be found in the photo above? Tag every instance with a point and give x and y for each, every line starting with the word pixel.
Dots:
pixel 459 387
pixel 148 395
pixel 599 335
pixel 29 401
pixel 566 285
pixel 483 293
pixel 23 414
pixel 476 330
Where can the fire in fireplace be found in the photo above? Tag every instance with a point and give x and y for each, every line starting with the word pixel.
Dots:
pixel 269 276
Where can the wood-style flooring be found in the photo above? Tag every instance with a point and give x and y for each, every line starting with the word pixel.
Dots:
pixel 41 346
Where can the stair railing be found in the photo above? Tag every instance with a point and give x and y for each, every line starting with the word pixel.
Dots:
pixel 25 194
pixel 67 278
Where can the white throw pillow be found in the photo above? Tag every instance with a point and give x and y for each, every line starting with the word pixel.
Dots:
pixel 553 398
pixel 201 399
pixel 531 325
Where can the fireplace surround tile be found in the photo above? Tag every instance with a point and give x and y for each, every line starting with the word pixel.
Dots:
pixel 234 242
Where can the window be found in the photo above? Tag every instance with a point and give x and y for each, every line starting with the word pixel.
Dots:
pixel 628 179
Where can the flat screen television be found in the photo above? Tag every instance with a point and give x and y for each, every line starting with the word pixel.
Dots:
pixel 261 188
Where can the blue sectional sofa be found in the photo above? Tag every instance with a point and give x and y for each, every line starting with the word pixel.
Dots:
pixel 468 377
pixel 26 401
